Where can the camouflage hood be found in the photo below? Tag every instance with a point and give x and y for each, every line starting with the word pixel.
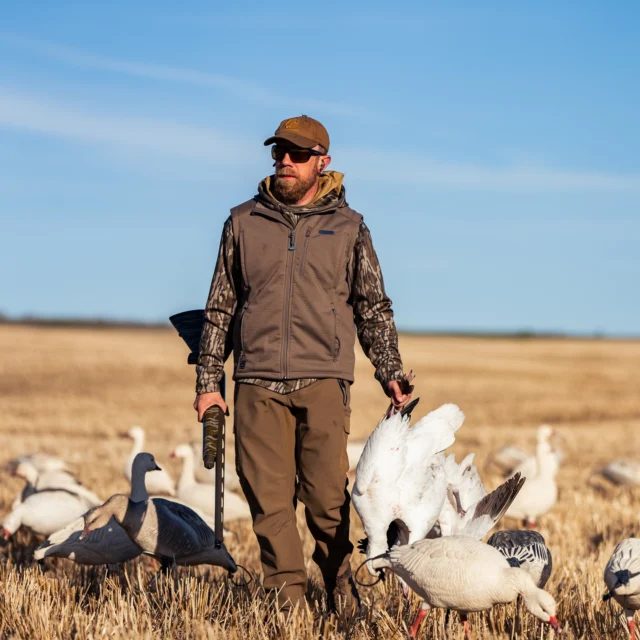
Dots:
pixel 331 195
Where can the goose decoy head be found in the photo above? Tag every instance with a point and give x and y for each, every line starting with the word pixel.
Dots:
pixel 225 559
pixel 95 518
pixel 145 462
pixel 543 606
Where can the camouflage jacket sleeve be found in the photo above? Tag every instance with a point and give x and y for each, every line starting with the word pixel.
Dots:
pixel 216 342
pixel 372 311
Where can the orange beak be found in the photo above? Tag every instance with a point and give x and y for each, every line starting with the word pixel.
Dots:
pixel 554 624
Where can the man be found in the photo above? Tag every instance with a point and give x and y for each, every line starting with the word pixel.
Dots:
pixel 296 276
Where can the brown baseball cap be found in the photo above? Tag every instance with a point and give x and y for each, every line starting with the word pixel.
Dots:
pixel 301 131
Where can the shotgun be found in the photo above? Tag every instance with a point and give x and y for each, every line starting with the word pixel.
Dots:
pixel 189 327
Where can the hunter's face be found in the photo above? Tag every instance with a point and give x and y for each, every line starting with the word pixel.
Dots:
pixel 296 173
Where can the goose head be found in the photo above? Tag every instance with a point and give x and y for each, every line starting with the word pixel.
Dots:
pixel 99 516
pixel 542 605
pixel 225 560
pixel 26 470
pixel 182 451
pixel 143 463
pixel 136 434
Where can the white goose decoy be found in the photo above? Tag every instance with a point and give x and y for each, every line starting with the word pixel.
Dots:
pixel 400 478
pixel 201 496
pixel 45 512
pixel 622 577
pixel 525 550
pixel 158 482
pixel 622 472
pixel 464 575
pixel 107 545
pixel 540 491
pixel 36 481
pixel 208 476
pixel 167 530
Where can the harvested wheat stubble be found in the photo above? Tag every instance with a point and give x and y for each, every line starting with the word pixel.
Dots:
pixel 71 391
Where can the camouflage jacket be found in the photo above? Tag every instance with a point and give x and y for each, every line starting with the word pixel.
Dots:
pixel 372 309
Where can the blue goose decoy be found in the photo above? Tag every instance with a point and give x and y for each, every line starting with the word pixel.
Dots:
pixel 526 550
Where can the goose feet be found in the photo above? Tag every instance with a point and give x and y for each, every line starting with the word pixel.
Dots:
pixel 422 612
pixel 467 627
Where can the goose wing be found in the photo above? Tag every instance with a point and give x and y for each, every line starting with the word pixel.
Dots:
pixel 181 529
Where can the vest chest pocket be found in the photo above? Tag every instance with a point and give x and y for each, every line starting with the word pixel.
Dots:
pixel 262 258
pixel 323 257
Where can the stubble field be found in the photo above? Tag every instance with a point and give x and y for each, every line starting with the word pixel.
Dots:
pixel 70 391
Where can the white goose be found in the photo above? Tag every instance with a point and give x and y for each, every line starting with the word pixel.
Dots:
pixel 400 478
pixel 36 481
pixel 167 530
pixel 622 472
pixel 511 459
pixel 540 491
pixel 200 495
pixel 528 468
pixel 622 577
pixel 208 476
pixel 107 545
pixel 464 575
pixel 468 509
pixel 45 512
pixel 158 482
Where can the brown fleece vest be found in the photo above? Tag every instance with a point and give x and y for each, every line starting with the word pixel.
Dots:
pixel 294 318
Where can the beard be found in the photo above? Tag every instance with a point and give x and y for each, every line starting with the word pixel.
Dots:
pixel 291 191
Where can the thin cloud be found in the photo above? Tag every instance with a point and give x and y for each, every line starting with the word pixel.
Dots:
pixel 233 86
pixel 400 168
pixel 28 112
pixel 36 114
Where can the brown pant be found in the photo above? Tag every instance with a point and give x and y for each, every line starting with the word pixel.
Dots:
pixel 288 447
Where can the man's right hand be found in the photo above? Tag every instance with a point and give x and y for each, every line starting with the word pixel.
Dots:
pixel 205 400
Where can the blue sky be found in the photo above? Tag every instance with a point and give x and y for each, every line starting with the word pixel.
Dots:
pixel 492 147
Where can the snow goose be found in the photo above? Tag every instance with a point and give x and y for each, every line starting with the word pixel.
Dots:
pixel 167 530
pixel 464 575
pixel 45 512
pixel 460 516
pixel 107 545
pixel 201 496
pixel 208 476
pixel 540 491
pixel 622 472
pixel 36 481
pixel 622 577
pixel 525 550
pixel 400 478
pixel 158 481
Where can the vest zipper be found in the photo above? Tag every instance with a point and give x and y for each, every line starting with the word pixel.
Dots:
pixel 304 251
pixel 287 303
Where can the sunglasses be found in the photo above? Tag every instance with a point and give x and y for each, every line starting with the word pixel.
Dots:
pixel 296 155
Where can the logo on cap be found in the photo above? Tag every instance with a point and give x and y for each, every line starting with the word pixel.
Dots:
pixel 293 123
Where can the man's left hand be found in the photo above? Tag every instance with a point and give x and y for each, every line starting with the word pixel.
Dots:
pixel 398 398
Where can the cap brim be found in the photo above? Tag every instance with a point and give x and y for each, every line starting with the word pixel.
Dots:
pixel 292 138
